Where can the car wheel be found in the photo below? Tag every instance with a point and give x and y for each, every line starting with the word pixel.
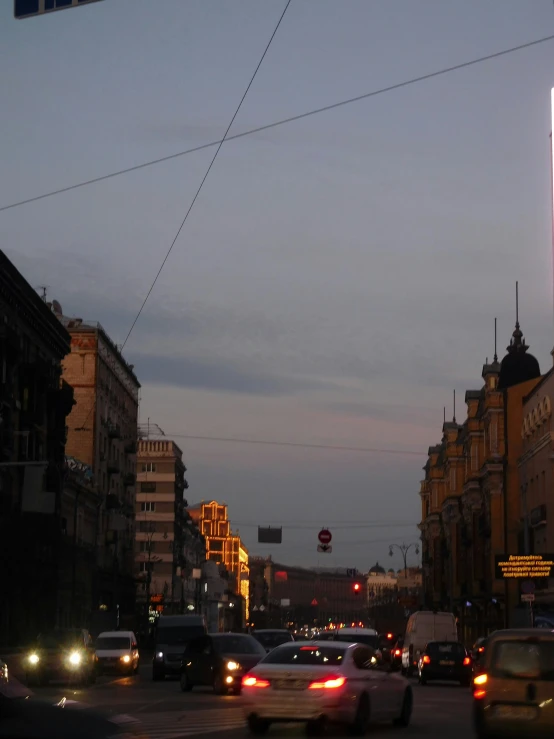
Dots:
pixel 361 721
pixel 257 726
pixel 406 712
pixel 186 686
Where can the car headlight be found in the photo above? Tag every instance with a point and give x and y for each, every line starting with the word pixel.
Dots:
pixel 75 658
pixel 159 656
pixel 233 665
pixel 125 658
pixel 33 659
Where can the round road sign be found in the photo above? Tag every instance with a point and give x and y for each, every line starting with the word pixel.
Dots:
pixel 528 587
pixel 325 536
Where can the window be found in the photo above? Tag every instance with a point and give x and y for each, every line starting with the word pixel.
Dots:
pixel 453 480
pixel 147 487
pixel 148 507
pixel 316 655
pixel 143 566
pixel 149 467
pixel 494 434
pixel 523 660
pixel 146 527
pixel 474 456
pixel 147 546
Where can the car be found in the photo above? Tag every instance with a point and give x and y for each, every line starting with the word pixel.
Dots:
pixel 219 661
pixel 66 654
pixel 444 660
pixel 396 655
pixel 271 638
pixel 117 651
pixel 512 696
pixel 386 645
pixel 324 682
pixel 173 633
pixel 478 655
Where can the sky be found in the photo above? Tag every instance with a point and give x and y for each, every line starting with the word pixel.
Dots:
pixel 337 278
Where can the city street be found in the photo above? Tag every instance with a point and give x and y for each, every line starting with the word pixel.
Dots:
pixel 167 713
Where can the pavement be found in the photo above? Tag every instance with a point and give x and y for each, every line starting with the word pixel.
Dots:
pixel 168 713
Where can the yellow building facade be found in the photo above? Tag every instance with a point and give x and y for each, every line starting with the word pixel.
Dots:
pixel 223 546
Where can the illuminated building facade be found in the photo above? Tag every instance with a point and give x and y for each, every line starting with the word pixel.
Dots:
pixel 223 546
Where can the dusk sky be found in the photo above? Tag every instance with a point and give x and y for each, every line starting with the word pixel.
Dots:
pixel 338 276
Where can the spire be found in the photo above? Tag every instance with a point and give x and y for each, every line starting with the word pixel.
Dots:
pixel 495 354
pixel 454 415
pixel 517 342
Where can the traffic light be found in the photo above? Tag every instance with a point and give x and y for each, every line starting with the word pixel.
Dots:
pixel 357 588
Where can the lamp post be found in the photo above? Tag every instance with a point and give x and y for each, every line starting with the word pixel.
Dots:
pixel 403 549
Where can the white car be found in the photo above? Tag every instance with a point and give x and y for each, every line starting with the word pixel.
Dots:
pixel 324 682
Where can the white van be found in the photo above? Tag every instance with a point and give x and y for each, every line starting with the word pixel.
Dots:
pixel 423 627
pixel 117 651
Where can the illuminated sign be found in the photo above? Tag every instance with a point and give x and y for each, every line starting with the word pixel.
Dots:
pixel 528 566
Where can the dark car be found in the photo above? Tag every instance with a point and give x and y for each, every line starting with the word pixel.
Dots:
pixel 219 661
pixel 325 636
pixel 386 644
pixel 271 638
pixel 442 660
pixel 67 654
pixel 396 655
pixel 478 655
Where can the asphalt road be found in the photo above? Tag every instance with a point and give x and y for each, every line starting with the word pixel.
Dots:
pixel 167 713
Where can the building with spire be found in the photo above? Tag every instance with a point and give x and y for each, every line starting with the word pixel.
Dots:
pixel 470 496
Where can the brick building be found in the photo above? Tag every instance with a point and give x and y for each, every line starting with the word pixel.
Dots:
pixel 102 434
pixel 34 403
pixel 283 593
pixel 169 547
pixel 470 498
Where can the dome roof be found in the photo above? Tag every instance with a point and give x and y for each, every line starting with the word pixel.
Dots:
pixel 377 570
pixel 517 366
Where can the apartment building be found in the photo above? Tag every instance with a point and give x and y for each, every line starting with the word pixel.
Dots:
pixel 169 549
pixel 34 403
pixel 102 434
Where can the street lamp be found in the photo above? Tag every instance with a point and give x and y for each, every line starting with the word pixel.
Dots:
pixel 403 549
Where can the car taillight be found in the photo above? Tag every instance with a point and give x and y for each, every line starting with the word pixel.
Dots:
pixel 250 681
pixel 330 683
pixel 480 680
pixel 467 661
pixel 427 660
pixel 397 652
pixel 479 694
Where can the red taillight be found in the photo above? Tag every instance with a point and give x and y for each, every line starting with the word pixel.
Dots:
pixel 467 661
pixel 330 683
pixel 249 681
pixel 397 652
pixel 427 660
pixel 479 694
pixel 481 649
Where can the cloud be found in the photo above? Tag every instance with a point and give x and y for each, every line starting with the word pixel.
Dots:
pixel 224 376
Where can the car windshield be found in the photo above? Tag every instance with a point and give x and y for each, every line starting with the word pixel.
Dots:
pixel 178 634
pixel 446 650
pixel 306 655
pixel 56 639
pixel 272 639
pixel 371 640
pixel 113 642
pixel 237 644
pixel 523 660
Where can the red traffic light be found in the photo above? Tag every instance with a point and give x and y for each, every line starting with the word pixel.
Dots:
pixel 357 587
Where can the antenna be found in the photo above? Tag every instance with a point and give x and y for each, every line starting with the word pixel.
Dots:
pixel 495 354
pixel 517 304
pixel 454 417
pixel 444 414
pixel 43 289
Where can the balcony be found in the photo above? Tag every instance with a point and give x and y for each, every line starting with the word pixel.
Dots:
pixel 130 448
pixel 114 432
pixel 113 467
pixel 129 479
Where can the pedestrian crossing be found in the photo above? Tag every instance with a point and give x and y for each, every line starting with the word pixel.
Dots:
pixel 178 724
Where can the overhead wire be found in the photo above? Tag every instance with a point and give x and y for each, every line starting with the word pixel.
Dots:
pixel 301 445
pixel 282 122
pixel 191 206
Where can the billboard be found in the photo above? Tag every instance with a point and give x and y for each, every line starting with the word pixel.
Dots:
pixel 526 566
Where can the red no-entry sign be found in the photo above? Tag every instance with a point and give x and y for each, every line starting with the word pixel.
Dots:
pixel 325 536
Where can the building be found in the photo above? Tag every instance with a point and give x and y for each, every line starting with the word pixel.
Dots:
pixel 34 403
pixel 470 497
pixel 284 594
pixel 225 548
pixel 102 434
pixel 169 548
pixel 536 480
